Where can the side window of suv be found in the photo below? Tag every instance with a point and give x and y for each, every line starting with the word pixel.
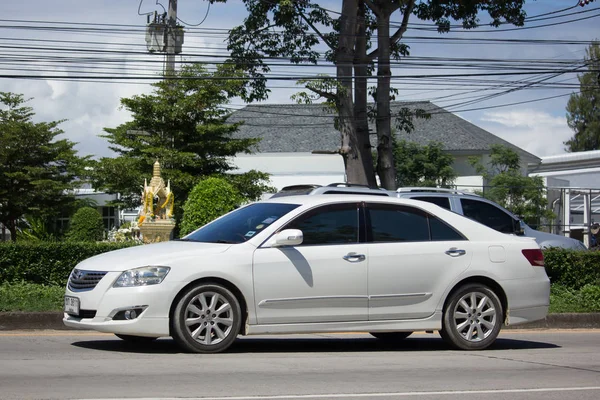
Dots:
pixel 332 224
pixel 488 215
pixel 443 202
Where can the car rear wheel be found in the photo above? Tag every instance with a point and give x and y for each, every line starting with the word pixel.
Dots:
pixel 472 318
pixel 135 339
pixel 207 319
pixel 391 336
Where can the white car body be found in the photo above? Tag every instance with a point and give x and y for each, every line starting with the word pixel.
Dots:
pixel 364 286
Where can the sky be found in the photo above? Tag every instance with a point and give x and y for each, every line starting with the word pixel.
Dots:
pixel 40 39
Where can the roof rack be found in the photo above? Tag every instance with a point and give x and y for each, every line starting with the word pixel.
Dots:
pixel 346 184
pixel 433 189
pixel 299 187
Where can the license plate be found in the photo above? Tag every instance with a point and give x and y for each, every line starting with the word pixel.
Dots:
pixel 71 305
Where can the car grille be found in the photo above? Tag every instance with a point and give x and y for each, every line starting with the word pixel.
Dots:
pixel 80 280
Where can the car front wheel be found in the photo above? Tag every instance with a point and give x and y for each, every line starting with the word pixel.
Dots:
pixel 207 319
pixel 472 318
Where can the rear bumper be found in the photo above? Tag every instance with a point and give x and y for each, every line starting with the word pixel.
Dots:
pixel 525 315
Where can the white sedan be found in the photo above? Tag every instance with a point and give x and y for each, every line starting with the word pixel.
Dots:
pixel 306 264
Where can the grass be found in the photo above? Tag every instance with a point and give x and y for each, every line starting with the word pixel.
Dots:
pixel 25 297
pixel 566 300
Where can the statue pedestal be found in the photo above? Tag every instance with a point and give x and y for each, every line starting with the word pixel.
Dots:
pixel 156 231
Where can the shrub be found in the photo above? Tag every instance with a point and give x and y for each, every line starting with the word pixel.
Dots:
pixel 47 262
pixel 86 226
pixel 208 200
pixel 572 268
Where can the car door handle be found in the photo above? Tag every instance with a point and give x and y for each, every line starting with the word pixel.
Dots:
pixel 354 257
pixel 454 252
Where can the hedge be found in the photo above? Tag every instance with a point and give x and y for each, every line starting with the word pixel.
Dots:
pixel 47 263
pixel 571 268
pixel 51 262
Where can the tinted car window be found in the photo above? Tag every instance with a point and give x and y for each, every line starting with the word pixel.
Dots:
pixel 331 224
pixel 488 215
pixel 440 231
pixel 241 224
pixel 390 223
pixel 443 202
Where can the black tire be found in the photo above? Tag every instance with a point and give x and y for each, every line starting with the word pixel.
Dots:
pixel 136 339
pixel 391 336
pixel 472 318
pixel 213 318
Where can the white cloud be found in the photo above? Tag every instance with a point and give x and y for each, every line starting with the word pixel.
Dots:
pixel 535 131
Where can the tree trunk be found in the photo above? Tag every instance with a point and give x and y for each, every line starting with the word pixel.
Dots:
pixel 358 160
pixel 361 92
pixel 385 157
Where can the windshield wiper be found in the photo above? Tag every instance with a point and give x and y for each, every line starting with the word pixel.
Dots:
pixel 225 241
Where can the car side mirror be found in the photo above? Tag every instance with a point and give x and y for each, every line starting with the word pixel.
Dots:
pixel 288 237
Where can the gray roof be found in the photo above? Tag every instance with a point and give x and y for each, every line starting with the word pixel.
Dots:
pixel 306 128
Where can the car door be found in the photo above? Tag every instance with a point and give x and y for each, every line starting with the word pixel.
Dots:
pixel 413 257
pixel 324 279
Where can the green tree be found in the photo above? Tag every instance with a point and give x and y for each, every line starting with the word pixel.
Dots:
pixel 523 195
pixel 583 108
pixel 305 28
pixel 423 165
pixel 37 170
pixel 208 200
pixel 86 226
pixel 181 124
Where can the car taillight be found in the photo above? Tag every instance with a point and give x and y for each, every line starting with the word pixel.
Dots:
pixel 534 256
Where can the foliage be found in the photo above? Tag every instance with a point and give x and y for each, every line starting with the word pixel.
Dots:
pixel 564 299
pixel 37 170
pixel 32 228
pixel 583 112
pixel 422 165
pixel 572 268
pixel 86 226
pixel 208 200
pixel 523 195
pixel 308 33
pixel 31 297
pixel 182 123
pixel 47 263
pixel 251 185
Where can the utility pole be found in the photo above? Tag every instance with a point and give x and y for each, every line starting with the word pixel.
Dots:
pixel 170 38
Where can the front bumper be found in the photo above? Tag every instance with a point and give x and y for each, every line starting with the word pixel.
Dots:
pixel 106 301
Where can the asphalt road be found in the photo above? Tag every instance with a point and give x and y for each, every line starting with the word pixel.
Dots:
pixel 522 365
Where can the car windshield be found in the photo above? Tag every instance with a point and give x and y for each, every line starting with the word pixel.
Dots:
pixel 241 224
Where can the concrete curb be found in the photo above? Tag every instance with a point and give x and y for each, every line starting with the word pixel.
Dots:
pixel 53 320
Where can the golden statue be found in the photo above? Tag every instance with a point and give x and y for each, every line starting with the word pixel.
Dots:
pixel 156 217
pixel 157 199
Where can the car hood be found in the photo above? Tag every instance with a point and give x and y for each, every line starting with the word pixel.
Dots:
pixel 545 240
pixel 151 254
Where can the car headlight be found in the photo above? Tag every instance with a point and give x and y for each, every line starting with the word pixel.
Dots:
pixel 143 276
